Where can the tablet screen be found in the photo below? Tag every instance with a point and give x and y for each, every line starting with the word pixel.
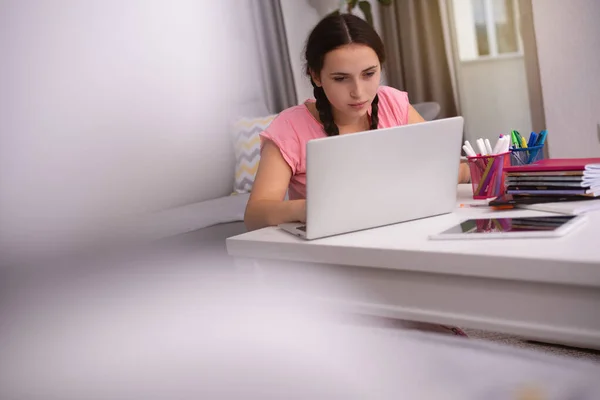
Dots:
pixel 528 224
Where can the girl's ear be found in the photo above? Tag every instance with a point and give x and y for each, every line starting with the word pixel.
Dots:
pixel 315 78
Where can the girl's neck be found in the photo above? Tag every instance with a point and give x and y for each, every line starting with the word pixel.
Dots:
pixel 351 124
pixel 345 124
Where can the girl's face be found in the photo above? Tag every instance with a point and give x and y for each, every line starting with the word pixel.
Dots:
pixel 350 78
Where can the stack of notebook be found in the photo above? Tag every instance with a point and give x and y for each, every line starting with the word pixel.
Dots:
pixel 562 177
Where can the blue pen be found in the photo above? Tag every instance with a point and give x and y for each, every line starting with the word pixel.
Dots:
pixel 542 138
pixel 532 139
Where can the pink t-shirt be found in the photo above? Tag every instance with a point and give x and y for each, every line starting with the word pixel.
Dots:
pixel 295 126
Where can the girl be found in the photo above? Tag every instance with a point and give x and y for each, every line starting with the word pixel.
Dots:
pixel 344 57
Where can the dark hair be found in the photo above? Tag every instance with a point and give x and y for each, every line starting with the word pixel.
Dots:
pixel 330 33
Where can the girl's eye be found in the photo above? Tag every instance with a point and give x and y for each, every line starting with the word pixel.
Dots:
pixel 370 74
pixel 339 78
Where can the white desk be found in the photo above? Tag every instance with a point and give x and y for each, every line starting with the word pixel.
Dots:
pixel 546 289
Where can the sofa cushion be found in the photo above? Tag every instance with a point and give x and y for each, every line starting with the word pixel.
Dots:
pixel 246 144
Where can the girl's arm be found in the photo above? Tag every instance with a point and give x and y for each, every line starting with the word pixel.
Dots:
pixel 413 115
pixel 464 174
pixel 266 205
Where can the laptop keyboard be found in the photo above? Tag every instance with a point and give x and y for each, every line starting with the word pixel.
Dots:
pixel 302 228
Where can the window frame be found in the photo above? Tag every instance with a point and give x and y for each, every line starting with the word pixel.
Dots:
pixel 492 36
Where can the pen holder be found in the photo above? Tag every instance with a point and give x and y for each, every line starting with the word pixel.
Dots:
pixel 527 155
pixel 487 175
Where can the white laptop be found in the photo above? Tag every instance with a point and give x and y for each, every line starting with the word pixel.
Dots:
pixel 380 177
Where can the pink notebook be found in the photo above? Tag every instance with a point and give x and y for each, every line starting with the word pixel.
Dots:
pixel 557 164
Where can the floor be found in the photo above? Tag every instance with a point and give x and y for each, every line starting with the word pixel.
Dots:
pixel 586 354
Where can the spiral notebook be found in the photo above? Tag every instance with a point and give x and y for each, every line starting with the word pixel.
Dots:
pixel 555 176
pixel 589 166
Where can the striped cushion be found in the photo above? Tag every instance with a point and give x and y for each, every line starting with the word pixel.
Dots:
pixel 246 144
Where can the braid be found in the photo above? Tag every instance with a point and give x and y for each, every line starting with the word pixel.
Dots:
pixel 374 110
pixel 324 107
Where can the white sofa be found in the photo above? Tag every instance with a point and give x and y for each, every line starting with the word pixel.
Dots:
pixel 209 222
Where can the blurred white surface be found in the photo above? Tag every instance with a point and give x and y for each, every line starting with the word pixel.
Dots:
pixel 169 329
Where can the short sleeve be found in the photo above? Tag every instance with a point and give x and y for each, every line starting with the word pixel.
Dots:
pixel 397 103
pixel 282 134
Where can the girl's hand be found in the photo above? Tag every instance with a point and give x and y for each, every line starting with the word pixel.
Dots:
pixel 464 173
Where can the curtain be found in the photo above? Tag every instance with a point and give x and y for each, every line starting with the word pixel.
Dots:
pixel 277 77
pixel 416 55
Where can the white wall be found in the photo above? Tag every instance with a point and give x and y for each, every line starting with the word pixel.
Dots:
pixel 494 97
pixel 112 108
pixel 300 18
pixel 568 42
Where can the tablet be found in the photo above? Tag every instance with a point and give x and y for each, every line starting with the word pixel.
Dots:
pixel 505 228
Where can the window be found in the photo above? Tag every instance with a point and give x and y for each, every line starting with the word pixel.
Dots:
pixel 486 28
pixel 505 24
pixel 481 31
